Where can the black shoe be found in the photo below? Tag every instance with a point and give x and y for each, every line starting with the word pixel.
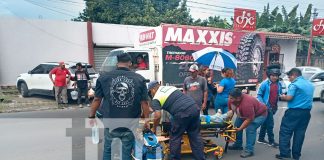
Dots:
pixel 262 141
pixel 278 156
pixel 234 147
pixel 273 144
pixel 246 154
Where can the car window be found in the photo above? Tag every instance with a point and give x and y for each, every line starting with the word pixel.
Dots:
pixel 310 69
pixel 89 69
pixel 49 67
pixel 39 70
pixel 319 76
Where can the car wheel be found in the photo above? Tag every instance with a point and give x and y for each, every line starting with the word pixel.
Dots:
pixel 24 89
pixel 250 55
pixel 322 97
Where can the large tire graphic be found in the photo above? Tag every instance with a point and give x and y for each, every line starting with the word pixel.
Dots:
pixel 250 57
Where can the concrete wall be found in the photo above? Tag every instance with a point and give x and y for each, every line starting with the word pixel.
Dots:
pixel 26 43
pixel 289 49
pixel 114 35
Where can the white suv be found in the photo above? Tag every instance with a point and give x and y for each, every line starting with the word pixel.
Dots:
pixel 37 80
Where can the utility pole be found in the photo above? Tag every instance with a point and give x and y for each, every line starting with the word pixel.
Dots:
pixel 315 14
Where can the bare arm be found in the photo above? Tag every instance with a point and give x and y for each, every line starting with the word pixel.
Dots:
pixel 157 118
pixel 94 106
pixel 220 89
pixel 244 124
pixel 286 97
pixel 145 109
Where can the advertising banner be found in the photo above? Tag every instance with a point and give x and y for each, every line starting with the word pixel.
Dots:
pixel 179 42
pixel 318 27
pixel 244 19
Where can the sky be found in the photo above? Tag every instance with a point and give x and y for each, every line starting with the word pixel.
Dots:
pixel 68 9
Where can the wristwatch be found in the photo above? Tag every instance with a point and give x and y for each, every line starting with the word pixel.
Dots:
pixel 92 117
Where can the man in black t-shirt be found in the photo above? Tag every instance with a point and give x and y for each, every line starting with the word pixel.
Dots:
pixel 185 118
pixel 81 82
pixel 123 94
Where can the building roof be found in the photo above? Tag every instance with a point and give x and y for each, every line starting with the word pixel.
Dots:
pixel 277 35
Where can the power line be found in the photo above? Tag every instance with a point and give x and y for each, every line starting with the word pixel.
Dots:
pixel 49 8
pixel 52 6
pixel 63 2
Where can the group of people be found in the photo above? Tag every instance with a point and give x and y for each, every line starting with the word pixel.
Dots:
pixel 62 79
pixel 123 94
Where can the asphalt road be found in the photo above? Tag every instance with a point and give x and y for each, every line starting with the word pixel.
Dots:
pixel 46 135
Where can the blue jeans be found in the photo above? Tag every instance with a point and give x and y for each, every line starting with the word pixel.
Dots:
pixel 250 132
pixel 267 127
pixel 127 138
pixel 221 103
pixel 294 122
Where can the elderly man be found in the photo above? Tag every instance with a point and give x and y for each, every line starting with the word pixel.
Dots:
pixel 297 116
pixel 250 116
pixel 185 118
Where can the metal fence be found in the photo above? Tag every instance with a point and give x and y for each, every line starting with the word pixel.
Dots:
pixel 316 61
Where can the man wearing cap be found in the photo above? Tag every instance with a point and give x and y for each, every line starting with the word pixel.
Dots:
pixel 185 118
pixel 62 78
pixel 195 86
pixel 124 96
pixel 268 94
pixel 295 121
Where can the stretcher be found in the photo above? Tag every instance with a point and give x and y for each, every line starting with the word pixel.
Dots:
pixel 208 131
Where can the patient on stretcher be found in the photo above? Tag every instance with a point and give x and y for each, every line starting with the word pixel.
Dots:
pixel 216 118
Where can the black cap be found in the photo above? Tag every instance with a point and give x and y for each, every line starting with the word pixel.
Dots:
pixel 152 84
pixel 79 64
pixel 294 70
pixel 124 57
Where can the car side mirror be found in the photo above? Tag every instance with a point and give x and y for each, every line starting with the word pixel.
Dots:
pixel 147 80
pixel 316 80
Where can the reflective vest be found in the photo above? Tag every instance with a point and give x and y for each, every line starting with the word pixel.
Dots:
pixel 163 93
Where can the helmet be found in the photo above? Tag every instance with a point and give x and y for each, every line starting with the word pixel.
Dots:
pixel 74 95
pixel 273 70
pixel 150 139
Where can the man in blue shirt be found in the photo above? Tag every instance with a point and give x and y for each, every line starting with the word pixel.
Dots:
pixel 268 94
pixel 297 116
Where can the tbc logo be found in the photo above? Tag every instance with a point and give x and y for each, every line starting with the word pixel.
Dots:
pixel 244 19
pixel 318 28
pixel 247 19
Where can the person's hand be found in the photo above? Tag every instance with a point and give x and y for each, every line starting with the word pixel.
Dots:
pixel 92 122
pixel 237 129
pixel 146 124
pixel 203 106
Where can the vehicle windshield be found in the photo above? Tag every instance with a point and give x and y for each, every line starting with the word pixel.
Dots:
pixel 110 62
pixel 307 75
pixel 89 69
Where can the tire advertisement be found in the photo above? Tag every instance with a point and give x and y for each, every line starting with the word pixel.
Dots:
pixel 179 42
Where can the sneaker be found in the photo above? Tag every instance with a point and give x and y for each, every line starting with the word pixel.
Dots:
pixel 262 141
pixel 278 156
pixel 273 144
pixel 80 106
pixel 234 147
pixel 246 154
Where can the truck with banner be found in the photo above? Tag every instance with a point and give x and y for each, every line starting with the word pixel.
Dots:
pixel 167 50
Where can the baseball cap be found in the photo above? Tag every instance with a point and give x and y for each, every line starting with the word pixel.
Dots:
pixel 60 63
pixel 124 57
pixel 152 85
pixel 193 68
pixel 294 70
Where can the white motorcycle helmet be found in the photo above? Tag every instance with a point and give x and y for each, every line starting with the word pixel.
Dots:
pixel 74 95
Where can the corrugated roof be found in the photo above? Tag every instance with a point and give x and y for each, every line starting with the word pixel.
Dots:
pixel 277 35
